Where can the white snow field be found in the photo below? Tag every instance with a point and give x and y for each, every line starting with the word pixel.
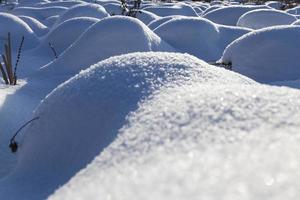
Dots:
pixel 174 100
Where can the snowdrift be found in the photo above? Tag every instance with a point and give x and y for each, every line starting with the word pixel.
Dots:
pixel 39 13
pixel 84 10
pixel 263 18
pixel 38 28
pixel 108 37
pixel 192 141
pixel 83 115
pixel 266 55
pixel 230 15
pixel 178 9
pixel 198 36
pixel 72 28
pixel 17 28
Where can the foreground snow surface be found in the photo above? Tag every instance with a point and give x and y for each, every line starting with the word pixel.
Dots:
pixel 216 142
pixel 123 116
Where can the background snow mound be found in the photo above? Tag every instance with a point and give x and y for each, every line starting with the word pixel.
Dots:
pixel 208 134
pixel 275 4
pixel 201 37
pixel 266 55
pixel 39 13
pixel 38 28
pixel 71 28
pixel 146 17
pixel 83 115
pixel 17 28
pixel 84 10
pixel 67 3
pixel 230 15
pixel 178 9
pixel 155 23
pixel 104 39
pixel 263 18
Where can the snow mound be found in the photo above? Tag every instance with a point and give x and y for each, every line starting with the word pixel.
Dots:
pixel 82 116
pixel 191 142
pixel 67 3
pixel 50 21
pixel 262 18
pixel 211 8
pixel 113 8
pixel 17 28
pixel 176 9
pixel 71 28
pixel 146 17
pixel 39 13
pixel 84 10
pixel 198 36
pixel 155 23
pixel 38 28
pixel 296 22
pixel 266 55
pixel 230 15
pixel 275 4
pixel 294 11
pixel 108 37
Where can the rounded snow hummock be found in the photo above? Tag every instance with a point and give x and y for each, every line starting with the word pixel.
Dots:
pixel 84 10
pixel 230 15
pixel 109 37
pixel 83 115
pixel 17 28
pixel 262 18
pixel 71 28
pixel 266 55
pixel 201 141
pixel 38 28
pixel 198 36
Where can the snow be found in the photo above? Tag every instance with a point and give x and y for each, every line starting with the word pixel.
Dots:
pixel 201 37
pixel 82 116
pixel 73 28
pixel 229 15
pixel 197 140
pixel 132 109
pixel 263 18
pixel 84 10
pixel 17 28
pixel 39 13
pixel 266 55
pixel 178 9
pixel 134 37
pixel 38 28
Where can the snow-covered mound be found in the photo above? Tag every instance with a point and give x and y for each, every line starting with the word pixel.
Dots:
pixel 230 15
pixel 275 4
pixel 83 116
pixel 294 11
pixel 84 10
pixel 17 28
pixel 296 22
pixel 67 3
pixel 155 23
pixel 262 18
pixel 39 13
pixel 146 17
pixel 109 37
pixel 198 36
pixel 176 9
pixel 113 8
pixel 211 8
pixel 38 28
pixel 266 55
pixel 62 36
pixel 50 21
pixel 201 142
